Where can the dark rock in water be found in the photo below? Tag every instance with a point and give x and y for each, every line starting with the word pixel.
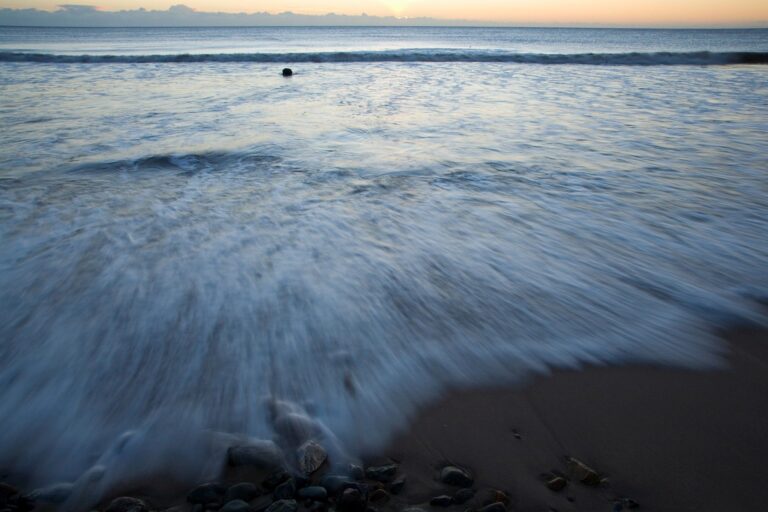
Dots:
pixel 206 494
pixel 397 485
pixel 285 490
pixel 463 495
pixel 494 507
pixel 355 472
pixel 57 493
pixel 351 500
pixel 441 501
pixel 311 457
pixel 296 428
pixel 314 492
pixel 382 473
pixel 379 496
pixel 261 503
pixel 245 491
pixel 283 506
pixel 583 473
pixel 275 479
pixel 287 72
pixel 262 454
pixel 334 483
pixel 127 504
pixel 236 506
pixel 556 483
pixel 456 476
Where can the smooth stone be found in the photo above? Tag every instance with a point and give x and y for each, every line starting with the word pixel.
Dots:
pixel 311 457
pixel 285 490
pixel 351 500
pixel 356 472
pixel 283 506
pixel 334 483
pixel 275 479
pixel 56 493
pixel 379 496
pixel 206 493
pixel 441 501
pixel 456 476
pixel 260 454
pixel 557 483
pixel 494 507
pixel 397 486
pixel 382 473
pixel 245 491
pixel 582 472
pixel 314 492
pixel 236 506
pixel 463 495
pixel 287 72
pixel 127 504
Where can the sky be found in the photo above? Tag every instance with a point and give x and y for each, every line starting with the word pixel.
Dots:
pixel 578 12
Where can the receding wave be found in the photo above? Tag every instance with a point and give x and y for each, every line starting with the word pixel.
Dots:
pixel 595 59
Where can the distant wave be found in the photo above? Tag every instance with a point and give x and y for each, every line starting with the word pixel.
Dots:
pixel 594 59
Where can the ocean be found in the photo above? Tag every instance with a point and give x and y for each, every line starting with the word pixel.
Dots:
pixel 186 235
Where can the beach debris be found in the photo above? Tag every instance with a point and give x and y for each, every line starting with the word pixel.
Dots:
pixel 259 454
pixel 314 492
pixel 351 500
pixel 384 473
pixel 583 473
pixel 236 506
pixel 285 490
pixel 396 487
pixel 127 504
pixel 287 72
pixel 454 475
pixel 245 491
pixel 463 495
pixel 441 501
pixel 311 457
pixel 494 507
pixel 379 496
pixel 556 483
pixel 283 506
pixel 206 493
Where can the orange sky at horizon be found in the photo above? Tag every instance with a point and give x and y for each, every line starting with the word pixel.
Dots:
pixel 603 12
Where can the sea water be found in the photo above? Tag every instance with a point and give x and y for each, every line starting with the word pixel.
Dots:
pixel 184 233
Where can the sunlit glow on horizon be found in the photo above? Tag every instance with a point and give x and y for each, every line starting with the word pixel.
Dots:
pixel 556 12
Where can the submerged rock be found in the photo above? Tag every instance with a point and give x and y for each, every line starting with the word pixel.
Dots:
pixel 126 504
pixel 384 473
pixel 285 490
pixel 245 491
pixel 283 506
pixel 334 483
pixel 236 506
pixel 355 472
pixel 55 494
pixel 287 72
pixel 275 479
pixel 441 501
pixel 314 492
pixel 463 495
pixel 260 454
pixel 583 473
pixel 453 475
pixel 311 457
pixel 206 494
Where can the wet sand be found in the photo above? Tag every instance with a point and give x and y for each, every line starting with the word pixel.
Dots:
pixel 671 439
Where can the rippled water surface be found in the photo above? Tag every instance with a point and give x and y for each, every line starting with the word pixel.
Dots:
pixel 180 241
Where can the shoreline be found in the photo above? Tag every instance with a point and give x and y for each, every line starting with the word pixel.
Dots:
pixel 663 438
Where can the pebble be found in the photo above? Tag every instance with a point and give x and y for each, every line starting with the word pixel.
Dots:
pixel 557 483
pixel 275 479
pixel 314 492
pixel 260 454
pixel 582 472
pixel 441 501
pixel 382 473
pixel 236 506
pixel 334 483
pixel 206 493
pixel 245 491
pixel 463 495
pixel 126 504
pixel 456 476
pixel 311 457
pixel 283 506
